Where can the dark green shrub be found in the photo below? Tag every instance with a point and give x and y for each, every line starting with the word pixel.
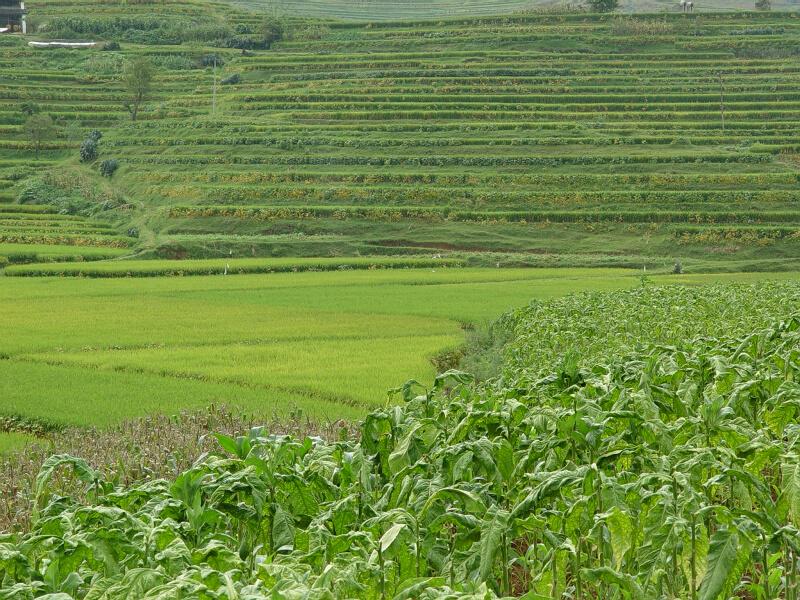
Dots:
pixel 108 167
pixel 29 108
pixel 208 60
pixel 111 46
pixel 240 42
pixel 232 79
pixel 603 5
pixel 89 149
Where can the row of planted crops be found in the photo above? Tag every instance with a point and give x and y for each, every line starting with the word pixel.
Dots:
pixel 652 453
pixel 484 121
pixel 545 121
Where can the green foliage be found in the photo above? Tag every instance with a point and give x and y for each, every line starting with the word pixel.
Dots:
pixel 137 77
pixel 89 149
pixel 29 108
pixel 210 60
pixel 603 5
pixel 650 474
pixel 108 167
pixel 172 29
pixel 601 325
pixel 66 191
pixel 39 128
pixel 271 31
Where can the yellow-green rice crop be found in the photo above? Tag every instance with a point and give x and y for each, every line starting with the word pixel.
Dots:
pixel 97 351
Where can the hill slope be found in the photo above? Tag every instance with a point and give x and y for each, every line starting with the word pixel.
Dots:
pixel 545 139
pixel 385 10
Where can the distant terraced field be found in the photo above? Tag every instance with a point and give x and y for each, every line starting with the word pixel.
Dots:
pixel 538 139
pixel 385 10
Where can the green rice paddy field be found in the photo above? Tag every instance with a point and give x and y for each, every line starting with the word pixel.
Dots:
pixel 328 344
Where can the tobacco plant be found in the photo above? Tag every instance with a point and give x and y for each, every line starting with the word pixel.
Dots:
pixel 670 471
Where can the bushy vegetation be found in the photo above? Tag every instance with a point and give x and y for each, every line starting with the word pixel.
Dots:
pixel 89 149
pixel 66 191
pixel 108 167
pixel 664 469
pixel 611 324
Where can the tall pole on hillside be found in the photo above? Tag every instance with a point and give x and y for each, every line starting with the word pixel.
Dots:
pixel 722 100
pixel 214 90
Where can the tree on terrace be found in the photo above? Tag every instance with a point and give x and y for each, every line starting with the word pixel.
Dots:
pixel 603 5
pixel 138 80
pixel 39 128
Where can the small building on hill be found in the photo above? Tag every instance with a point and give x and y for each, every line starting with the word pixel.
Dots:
pixel 12 16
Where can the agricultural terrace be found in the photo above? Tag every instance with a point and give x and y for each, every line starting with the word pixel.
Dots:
pixel 386 10
pixel 539 139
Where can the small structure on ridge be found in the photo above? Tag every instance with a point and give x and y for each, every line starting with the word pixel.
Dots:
pixel 12 16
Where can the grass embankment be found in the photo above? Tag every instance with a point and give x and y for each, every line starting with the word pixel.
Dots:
pixel 157 268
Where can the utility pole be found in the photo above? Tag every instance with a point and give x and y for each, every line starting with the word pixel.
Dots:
pixel 722 100
pixel 214 90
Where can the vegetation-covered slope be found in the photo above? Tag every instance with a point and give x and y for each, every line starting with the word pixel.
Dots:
pixel 596 138
pixel 381 10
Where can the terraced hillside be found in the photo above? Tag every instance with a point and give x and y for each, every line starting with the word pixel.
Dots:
pixel 545 139
pixel 381 10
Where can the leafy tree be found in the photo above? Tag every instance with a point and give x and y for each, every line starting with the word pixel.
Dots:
pixel 603 5
pixel 138 80
pixel 38 129
pixel 763 4
pixel 29 108
pixel 272 31
pixel 73 131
